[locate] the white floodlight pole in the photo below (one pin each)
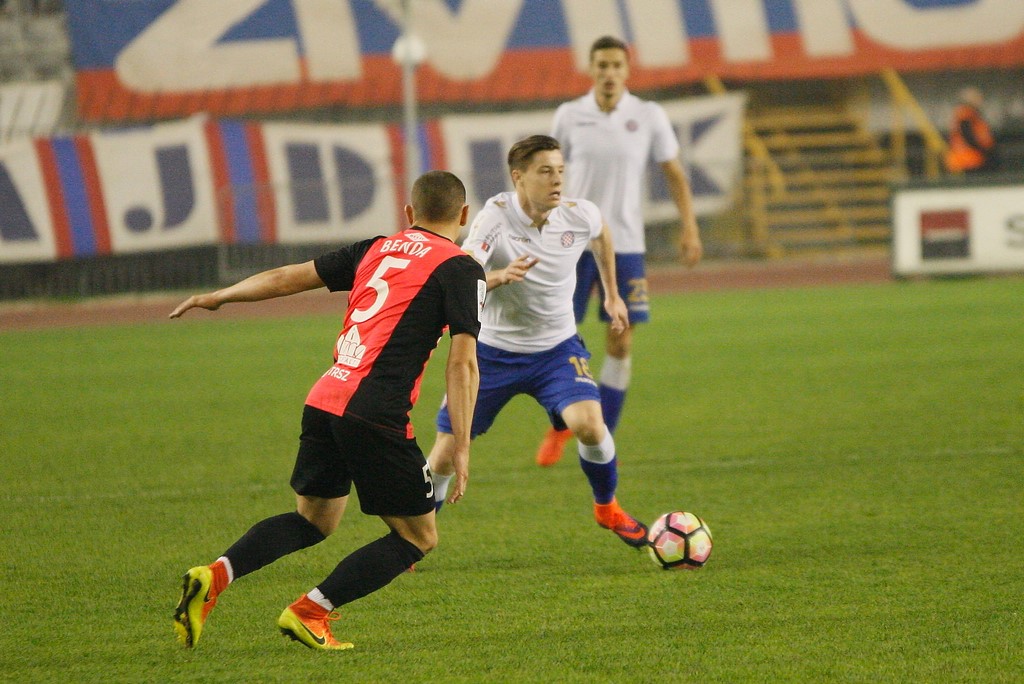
(411, 55)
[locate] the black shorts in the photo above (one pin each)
(389, 471)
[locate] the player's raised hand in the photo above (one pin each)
(516, 270)
(202, 301)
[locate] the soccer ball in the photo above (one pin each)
(679, 540)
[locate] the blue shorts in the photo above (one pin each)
(556, 378)
(631, 276)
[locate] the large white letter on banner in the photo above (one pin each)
(971, 22)
(824, 28)
(742, 30)
(330, 39)
(157, 187)
(465, 44)
(26, 233)
(179, 51)
(332, 183)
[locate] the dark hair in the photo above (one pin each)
(608, 43)
(438, 196)
(520, 155)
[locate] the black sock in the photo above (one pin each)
(369, 568)
(270, 539)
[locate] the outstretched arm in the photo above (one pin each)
(277, 282)
(604, 256)
(690, 248)
(462, 376)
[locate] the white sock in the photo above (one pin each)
(317, 597)
(227, 566)
(616, 373)
(441, 483)
(602, 452)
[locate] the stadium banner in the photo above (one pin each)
(148, 59)
(709, 129)
(947, 229)
(201, 181)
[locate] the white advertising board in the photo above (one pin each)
(962, 229)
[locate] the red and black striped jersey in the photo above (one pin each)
(406, 289)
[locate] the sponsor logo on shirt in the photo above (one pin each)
(350, 348)
(417, 237)
(519, 238)
(568, 238)
(481, 295)
(490, 238)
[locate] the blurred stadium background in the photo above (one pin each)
(173, 143)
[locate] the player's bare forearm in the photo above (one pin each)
(462, 376)
(691, 250)
(277, 282)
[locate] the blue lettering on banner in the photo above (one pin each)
(356, 183)
(309, 196)
(15, 224)
(488, 161)
(176, 191)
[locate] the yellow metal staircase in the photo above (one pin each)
(836, 179)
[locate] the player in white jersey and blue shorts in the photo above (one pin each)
(529, 241)
(607, 138)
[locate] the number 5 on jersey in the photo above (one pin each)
(380, 284)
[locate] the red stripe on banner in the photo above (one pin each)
(93, 190)
(265, 200)
(396, 141)
(435, 142)
(221, 183)
(536, 74)
(55, 200)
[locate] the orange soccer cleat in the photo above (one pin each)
(550, 450)
(630, 530)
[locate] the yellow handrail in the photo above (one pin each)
(935, 144)
(758, 150)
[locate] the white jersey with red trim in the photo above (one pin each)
(535, 314)
(606, 155)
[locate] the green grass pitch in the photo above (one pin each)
(858, 453)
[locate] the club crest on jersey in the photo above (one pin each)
(568, 238)
(350, 348)
(632, 126)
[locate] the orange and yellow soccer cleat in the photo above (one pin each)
(307, 622)
(630, 530)
(197, 600)
(550, 450)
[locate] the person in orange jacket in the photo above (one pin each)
(971, 144)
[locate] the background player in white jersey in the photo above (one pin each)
(607, 137)
(529, 242)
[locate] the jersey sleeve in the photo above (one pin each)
(483, 235)
(593, 217)
(338, 268)
(560, 129)
(664, 143)
(464, 285)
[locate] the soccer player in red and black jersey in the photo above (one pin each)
(405, 290)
